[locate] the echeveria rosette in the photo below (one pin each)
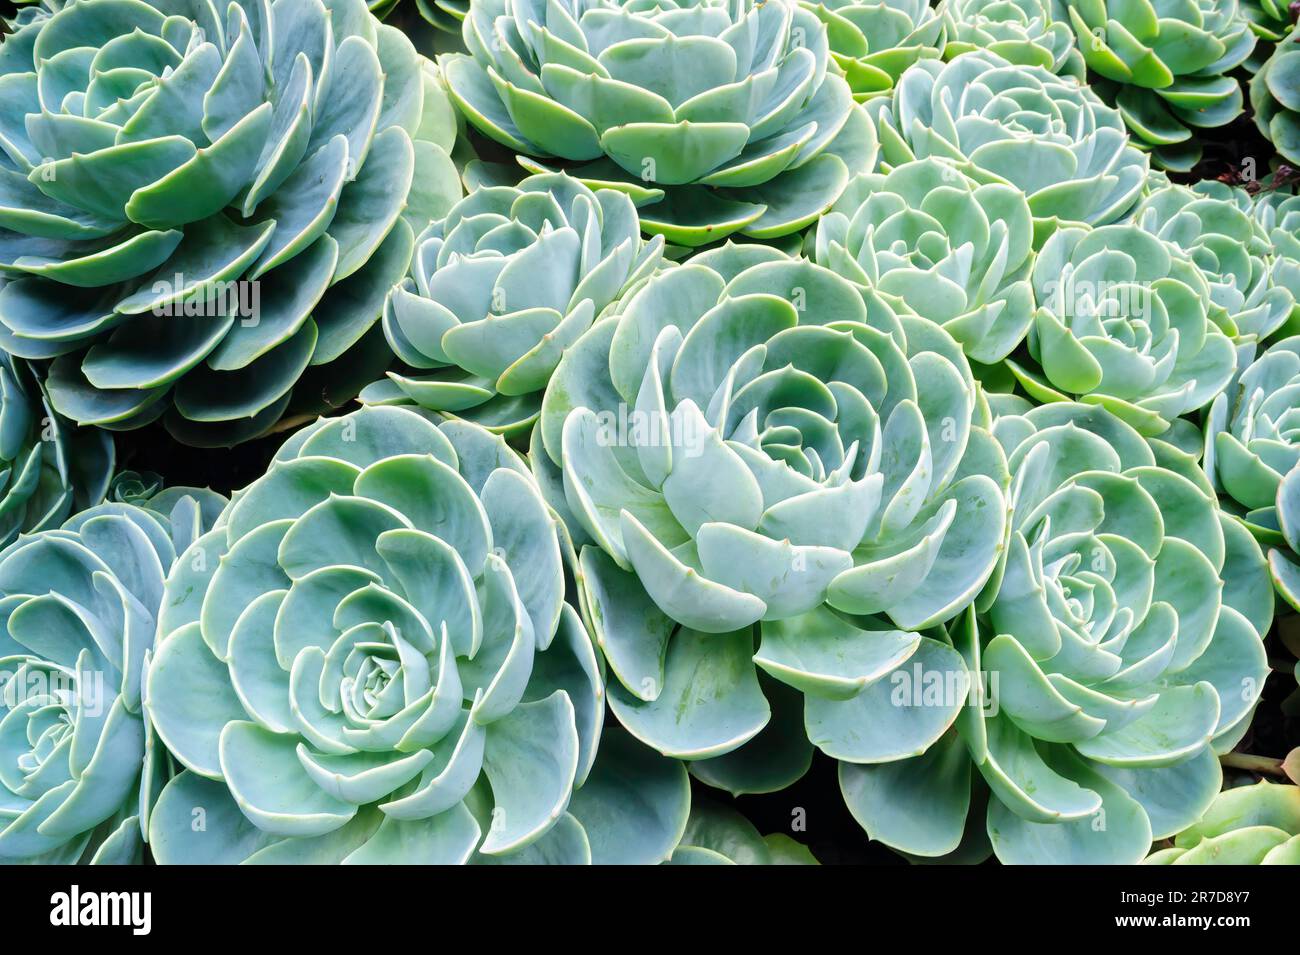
(1275, 97)
(1019, 31)
(1044, 134)
(1252, 454)
(1125, 320)
(781, 481)
(1215, 225)
(1278, 212)
(1118, 649)
(873, 41)
(500, 287)
(134, 487)
(79, 765)
(1257, 824)
(200, 208)
(388, 670)
(1164, 63)
(952, 250)
(49, 469)
(716, 118)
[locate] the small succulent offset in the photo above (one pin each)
(874, 41)
(1166, 62)
(951, 250)
(1116, 650)
(759, 449)
(1248, 825)
(49, 469)
(1051, 138)
(199, 207)
(1215, 225)
(79, 766)
(134, 487)
(1019, 31)
(1275, 97)
(500, 287)
(387, 670)
(715, 117)
(1125, 320)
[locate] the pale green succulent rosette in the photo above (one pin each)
(134, 487)
(387, 668)
(201, 205)
(1275, 97)
(951, 250)
(873, 41)
(715, 117)
(1278, 213)
(1251, 437)
(1044, 134)
(782, 481)
(49, 469)
(1215, 225)
(1125, 320)
(79, 766)
(1028, 32)
(500, 288)
(1167, 63)
(1118, 649)
(1249, 825)
(1252, 450)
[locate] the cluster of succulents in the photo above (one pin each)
(647, 400)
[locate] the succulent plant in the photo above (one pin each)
(1278, 212)
(195, 212)
(1275, 97)
(1270, 19)
(1115, 651)
(1019, 31)
(715, 118)
(1215, 225)
(952, 250)
(1251, 437)
(49, 469)
(446, 15)
(79, 766)
(1166, 62)
(758, 449)
(1248, 825)
(500, 287)
(389, 672)
(134, 487)
(1125, 320)
(1045, 134)
(718, 835)
(874, 41)
(1252, 449)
